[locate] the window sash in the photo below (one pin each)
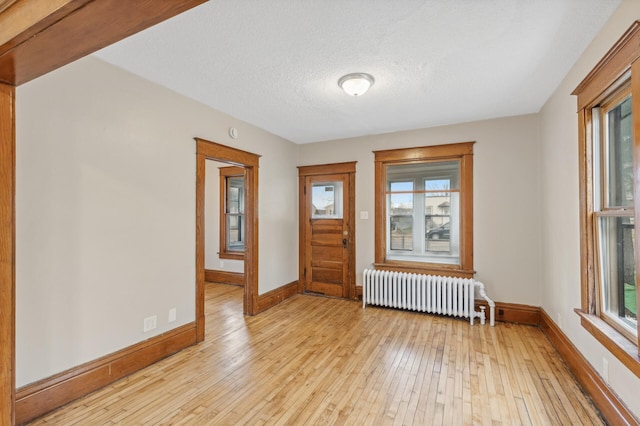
(612, 181)
(607, 187)
(613, 255)
(232, 210)
(417, 235)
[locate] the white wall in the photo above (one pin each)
(212, 222)
(560, 208)
(506, 197)
(105, 206)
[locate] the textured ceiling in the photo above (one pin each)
(275, 64)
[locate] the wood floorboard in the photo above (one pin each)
(314, 360)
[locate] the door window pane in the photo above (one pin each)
(326, 200)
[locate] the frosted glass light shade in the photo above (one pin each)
(356, 84)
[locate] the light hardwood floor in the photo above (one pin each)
(313, 360)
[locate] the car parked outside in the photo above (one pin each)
(442, 232)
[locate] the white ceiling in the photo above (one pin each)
(276, 63)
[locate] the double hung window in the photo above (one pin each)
(424, 212)
(232, 239)
(608, 156)
(613, 205)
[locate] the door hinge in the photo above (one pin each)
(305, 189)
(305, 272)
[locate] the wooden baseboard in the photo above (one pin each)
(223, 277)
(38, 398)
(613, 410)
(273, 297)
(513, 312)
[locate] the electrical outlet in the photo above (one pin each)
(172, 314)
(605, 369)
(221, 264)
(150, 323)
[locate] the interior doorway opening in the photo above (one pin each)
(249, 162)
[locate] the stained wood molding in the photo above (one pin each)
(208, 150)
(613, 410)
(462, 152)
(614, 64)
(38, 398)
(276, 296)
(40, 36)
(610, 338)
(513, 312)
(224, 277)
(325, 169)
(4, 4)
(7, 253)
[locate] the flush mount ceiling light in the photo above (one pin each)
(356, 84)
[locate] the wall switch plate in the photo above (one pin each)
(221, 264)
(150, 323)
(172, 314)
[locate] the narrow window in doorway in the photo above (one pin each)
(232, 241)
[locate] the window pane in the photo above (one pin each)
(401, 233)
(235, 232)
(618, 290)
(235, 194)
(619, 155)
(401, 204)
(438, 222)
(326, 200)
(439, 174)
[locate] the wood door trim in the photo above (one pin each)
(208, 150)
(327, 169)
(348, 168)
(41, 40)
(7, 253)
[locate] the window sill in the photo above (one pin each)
(231, 255)
(424, 268)
(611, 339)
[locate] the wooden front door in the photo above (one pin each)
(327, 252)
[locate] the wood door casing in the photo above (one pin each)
(327, 244)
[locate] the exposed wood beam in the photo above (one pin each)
(39, 36)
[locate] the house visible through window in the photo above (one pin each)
(232, 213)
(424, 217)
